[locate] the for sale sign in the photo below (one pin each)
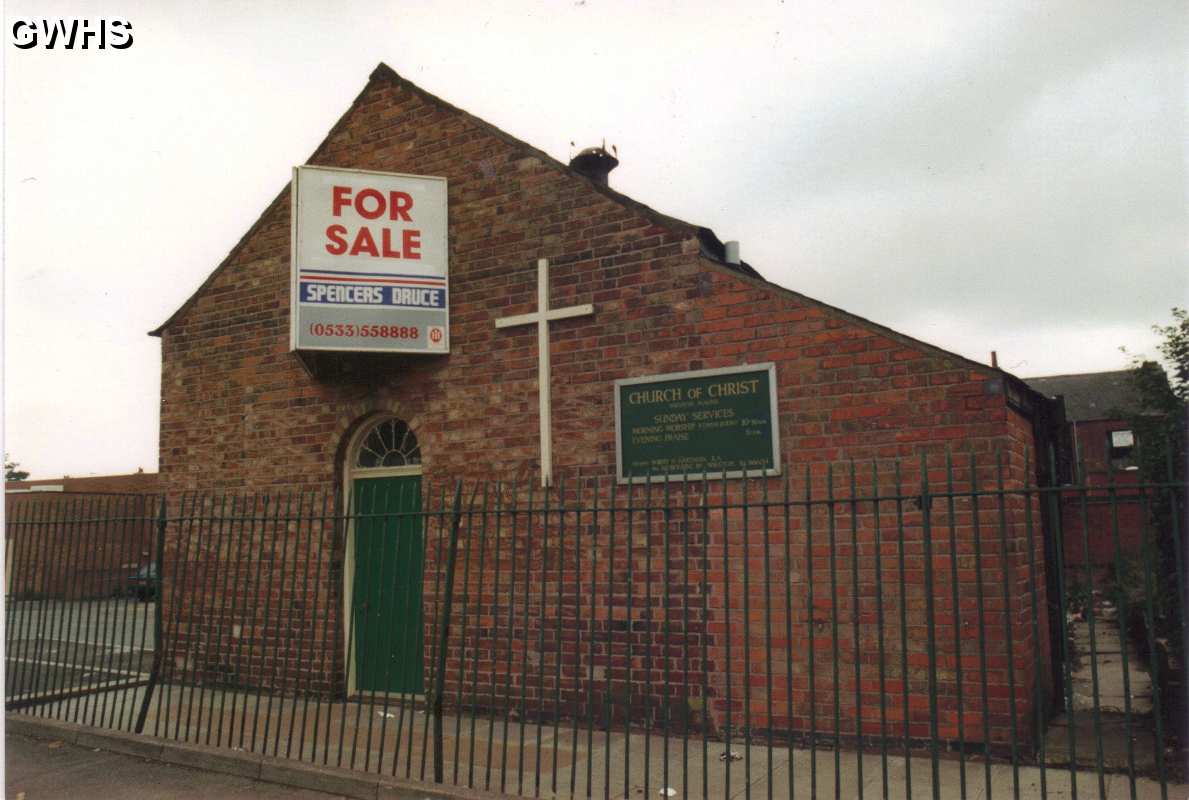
(369, 257)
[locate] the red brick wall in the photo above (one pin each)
(239, 412)
(1090, 527)
(1091, 523)
(71, 545)
(1026, 539)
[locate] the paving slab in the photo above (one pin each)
(1117, 731)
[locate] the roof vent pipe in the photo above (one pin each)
(732, 252)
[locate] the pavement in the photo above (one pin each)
(41, 767)
(353, 747)
(45, 769)
(1112, 695)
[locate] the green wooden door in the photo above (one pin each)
(389, 559)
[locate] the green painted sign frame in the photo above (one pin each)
(711, 423)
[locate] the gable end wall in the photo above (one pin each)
(240, 413)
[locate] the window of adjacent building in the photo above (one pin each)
(1121, 447)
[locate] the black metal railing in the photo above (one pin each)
(79, 635)
(947, 629)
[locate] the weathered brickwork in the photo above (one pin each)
(240, 413)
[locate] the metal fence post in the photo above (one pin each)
(158, 643)
(444, 637)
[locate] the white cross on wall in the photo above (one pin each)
(542, 317)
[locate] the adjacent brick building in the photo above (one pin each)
(56, 544)
(239, 412)
(1104, 527)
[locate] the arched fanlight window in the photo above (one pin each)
(390, 443)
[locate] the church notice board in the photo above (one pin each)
(369, 262)
(708, 423)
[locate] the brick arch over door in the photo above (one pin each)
(359, 417)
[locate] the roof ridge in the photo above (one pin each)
(1080, 374)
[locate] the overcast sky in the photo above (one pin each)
(1004, 176)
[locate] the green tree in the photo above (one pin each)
(12, 470)
(1174, 346)
(1161, 425)
(1160, 422)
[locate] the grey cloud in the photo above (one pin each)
(1036, 175)
(955, 112)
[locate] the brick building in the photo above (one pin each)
(240, 412)
(92, 559)
(1100, 443)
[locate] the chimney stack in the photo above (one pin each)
(595, 163)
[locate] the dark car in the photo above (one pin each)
(142, 584)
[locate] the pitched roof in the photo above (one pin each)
(710, 245)
(1092, 395)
